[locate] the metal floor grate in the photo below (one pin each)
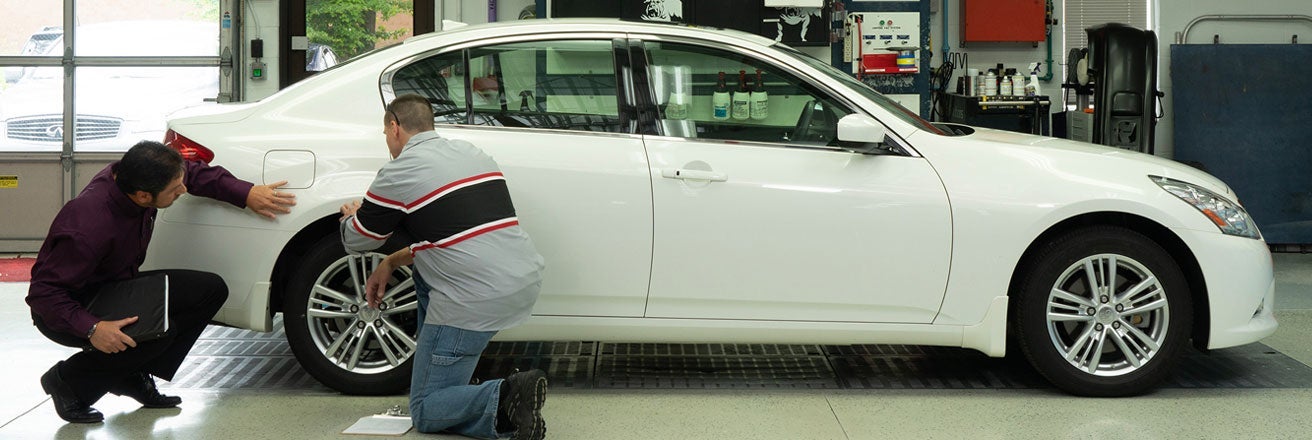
(227, 358)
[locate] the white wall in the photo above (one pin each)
(1174, 15)
(984, 56)
(475, 11)
(260, 19)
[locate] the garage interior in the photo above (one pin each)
(1213, 84)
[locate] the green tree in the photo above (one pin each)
(349, 26)
(201, 10)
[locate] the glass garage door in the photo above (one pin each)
(83, 82)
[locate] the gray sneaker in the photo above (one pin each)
(522, 397)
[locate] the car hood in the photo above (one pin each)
(1103, 156)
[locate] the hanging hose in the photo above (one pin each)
(1048, 23)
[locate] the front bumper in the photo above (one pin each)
(1241, 287)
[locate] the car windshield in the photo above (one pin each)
(864, 89)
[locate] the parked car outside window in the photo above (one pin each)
(116, 106)
(42, 42)
(319, 57)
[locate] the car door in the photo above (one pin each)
(552, 114)
(762, 218)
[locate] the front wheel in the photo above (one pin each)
(1103, 311)
(336, 337)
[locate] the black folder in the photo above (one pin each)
(146, 297)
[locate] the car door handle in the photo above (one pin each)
(710, 176)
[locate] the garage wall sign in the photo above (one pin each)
(9, 181)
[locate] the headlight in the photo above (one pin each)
(1227, 215)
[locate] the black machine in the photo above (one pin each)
(1119, 73)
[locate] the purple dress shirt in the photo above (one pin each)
(102, 236)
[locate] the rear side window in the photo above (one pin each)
(558, 85)
(441, 79)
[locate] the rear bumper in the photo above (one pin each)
(244, 257)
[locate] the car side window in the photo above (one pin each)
(441, 79)
(755, 101)
(561, 84)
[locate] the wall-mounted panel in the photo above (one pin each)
(1002, 21)
(1246, 122)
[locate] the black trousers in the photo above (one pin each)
(194, 298)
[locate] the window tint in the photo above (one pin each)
(563, 85)
(566, 85)
(441, 79)
(897, 110)
(754, 101)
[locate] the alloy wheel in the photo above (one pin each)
(350, 333)
(1108, 315)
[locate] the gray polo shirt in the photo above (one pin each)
(469, 247)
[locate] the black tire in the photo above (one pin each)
(1127, 364)
(311, 337)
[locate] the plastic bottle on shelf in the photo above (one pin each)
(742, 99)
(1017, 83)
(1032, 89)
(760, 99)
(720, 101)
(677, 108)
(991, 83)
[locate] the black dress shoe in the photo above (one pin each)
(67, 405)
(141, 386)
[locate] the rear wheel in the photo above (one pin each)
(1103, 311)
(337, 338)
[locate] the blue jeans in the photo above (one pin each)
(441, 398)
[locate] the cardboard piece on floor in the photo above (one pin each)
(379, 424)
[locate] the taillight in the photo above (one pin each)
(189, 149)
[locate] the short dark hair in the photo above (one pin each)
(148, 166)
(412, 111)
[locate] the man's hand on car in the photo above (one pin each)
(267, 201)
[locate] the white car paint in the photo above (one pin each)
(796, 234)
(794, 245)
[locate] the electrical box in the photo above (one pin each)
(1003, 21)
(884, 42)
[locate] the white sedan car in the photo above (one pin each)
(823, 213)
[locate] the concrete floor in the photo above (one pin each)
(25, 411)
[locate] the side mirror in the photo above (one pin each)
(861, 133)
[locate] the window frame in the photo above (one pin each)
(1100, 14)
(617, 47)
(649, 109)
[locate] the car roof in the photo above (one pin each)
(597, 25)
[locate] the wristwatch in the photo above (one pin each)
(92, 331)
